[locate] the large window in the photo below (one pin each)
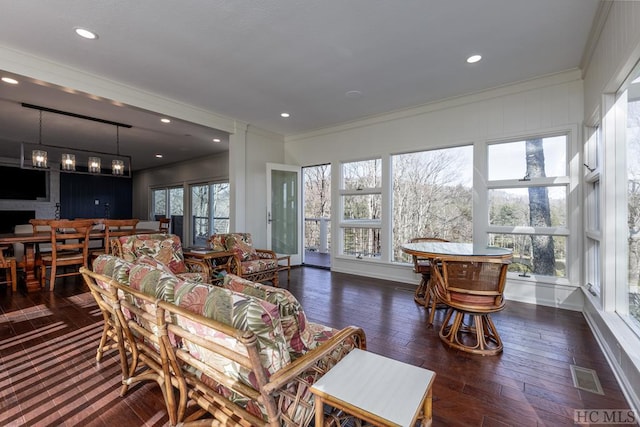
(361, 202)
(631, 308)
(527, 187)
(593, 234)
(209, 211)
(168, 203)
(432, 196)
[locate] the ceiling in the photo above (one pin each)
(325, 62)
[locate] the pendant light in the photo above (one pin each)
(117, 165)
(39, 156)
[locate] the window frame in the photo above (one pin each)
(373, 224)
(592, 219)
(482, 185)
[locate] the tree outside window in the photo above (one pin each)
(528, 187)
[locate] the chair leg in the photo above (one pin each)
(103, 339)
(421, 291)
(431, 300)
(480, 337)
(491, 335)
(14, 278)
(52, 277)
(43, 275)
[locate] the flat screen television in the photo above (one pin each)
(22, 184)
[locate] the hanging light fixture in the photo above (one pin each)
(117, 165)
(120, 163)
(68, 162)
(39, 156)
(94, 164)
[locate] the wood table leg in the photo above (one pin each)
(29, 262)
(427, 409)
(319, 411)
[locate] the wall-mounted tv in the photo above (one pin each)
(22, 184)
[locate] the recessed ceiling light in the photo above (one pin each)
(353, 94)
(165, 120)
(87, 34)
(159, 156)
(473, 59)
(216, 139)
(285, 115)
(10, 80)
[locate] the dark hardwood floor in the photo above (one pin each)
(49, 377)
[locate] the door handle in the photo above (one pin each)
(268, 217)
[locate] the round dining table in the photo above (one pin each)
(454, 249)
(451, 251)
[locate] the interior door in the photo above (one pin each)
(284, 227)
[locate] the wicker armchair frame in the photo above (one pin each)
(143, 337)
(234, 265)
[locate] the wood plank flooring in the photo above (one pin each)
(49, 377)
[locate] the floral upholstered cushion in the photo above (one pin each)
(238, 243)
(254, 266)
(243, 312)
(147, 260)
(166, 248)
(112, 266)
(299, 334)
(153, 282)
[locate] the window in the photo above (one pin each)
(631, 310)
(593, 235)
(361, 203)
(527, 202)
(169, 203)
(209, 211)
(432, 196)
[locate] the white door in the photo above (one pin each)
(284, 228)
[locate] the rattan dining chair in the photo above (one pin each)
(471, 287)
(424, 294)
(8, 263)
(69, 247)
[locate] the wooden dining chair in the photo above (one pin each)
(114, 228)
(69, 247)
(164, 225)
(471, 287)
(8, 263)
(41, 226)
(424, 294)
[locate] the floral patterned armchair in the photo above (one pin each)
(257, 265)
(161, 250)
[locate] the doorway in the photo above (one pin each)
(317, 215)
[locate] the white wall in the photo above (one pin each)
(616, 52)
(551, 103)
(262, 148)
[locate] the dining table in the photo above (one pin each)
(453, 251)
(438, 249)
(30, 240)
